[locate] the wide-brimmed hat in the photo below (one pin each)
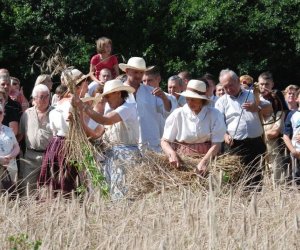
(195, 89)
(75, 75)
(114, 86)
(136, 63)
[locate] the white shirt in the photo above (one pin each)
(92, 86)
(184, 126)
(7, 142)
(127, 131)
(58, 118)
(149, 109)
(240, 124)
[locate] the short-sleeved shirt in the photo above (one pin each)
(126, 131)
(58, 118)
(150, 111)
(241, 124)
(184, 126)
(37, 134)
(7, 142)
(292, 127)
(13, 112)
(106, 64)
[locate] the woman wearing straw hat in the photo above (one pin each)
(194, 128)
(121, 133)
(55, 171)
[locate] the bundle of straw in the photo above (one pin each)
(155, 173)
(77, 149)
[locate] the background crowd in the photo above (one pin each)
(123, 106)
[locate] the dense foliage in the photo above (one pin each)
(198, 35)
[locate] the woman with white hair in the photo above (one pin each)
(194, 129)
(35, 129)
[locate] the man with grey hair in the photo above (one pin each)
(175, 85)
(35, 129)
(244, 129)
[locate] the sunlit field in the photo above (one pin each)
(167, 215)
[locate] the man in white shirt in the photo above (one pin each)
(244, 129)
(151, 103)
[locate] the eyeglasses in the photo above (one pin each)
(42, 97)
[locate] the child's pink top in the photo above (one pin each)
(108, 64)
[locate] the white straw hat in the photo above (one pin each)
(114, 86)
(137, 63)
(109, 87)
(195, 89)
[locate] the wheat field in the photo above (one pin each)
(164, 209)
(179, 218)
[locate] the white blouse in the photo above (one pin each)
(126, 131)
(7, 142)
(58, 118)
(184, 126)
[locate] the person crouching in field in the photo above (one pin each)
(194, 129)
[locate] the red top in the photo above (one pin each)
(107, 63)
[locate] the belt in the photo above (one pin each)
(250, 139)
(37, 150)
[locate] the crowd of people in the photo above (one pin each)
(131, 113)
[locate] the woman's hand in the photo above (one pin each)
(297, 137)
(4, 160)
(76, 102)
(202, 167)
(173, 159)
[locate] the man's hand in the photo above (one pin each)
(250, 106)
(158, 92)
(228, 139)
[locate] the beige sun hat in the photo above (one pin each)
(114, 86)
(76, 75)
(137, 63)
(109, 87)
(195, 89)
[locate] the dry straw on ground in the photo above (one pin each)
(155, 173)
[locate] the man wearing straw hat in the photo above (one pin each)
(151, 103)
(244, 129)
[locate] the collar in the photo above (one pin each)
(200, 116)
(242, 91)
